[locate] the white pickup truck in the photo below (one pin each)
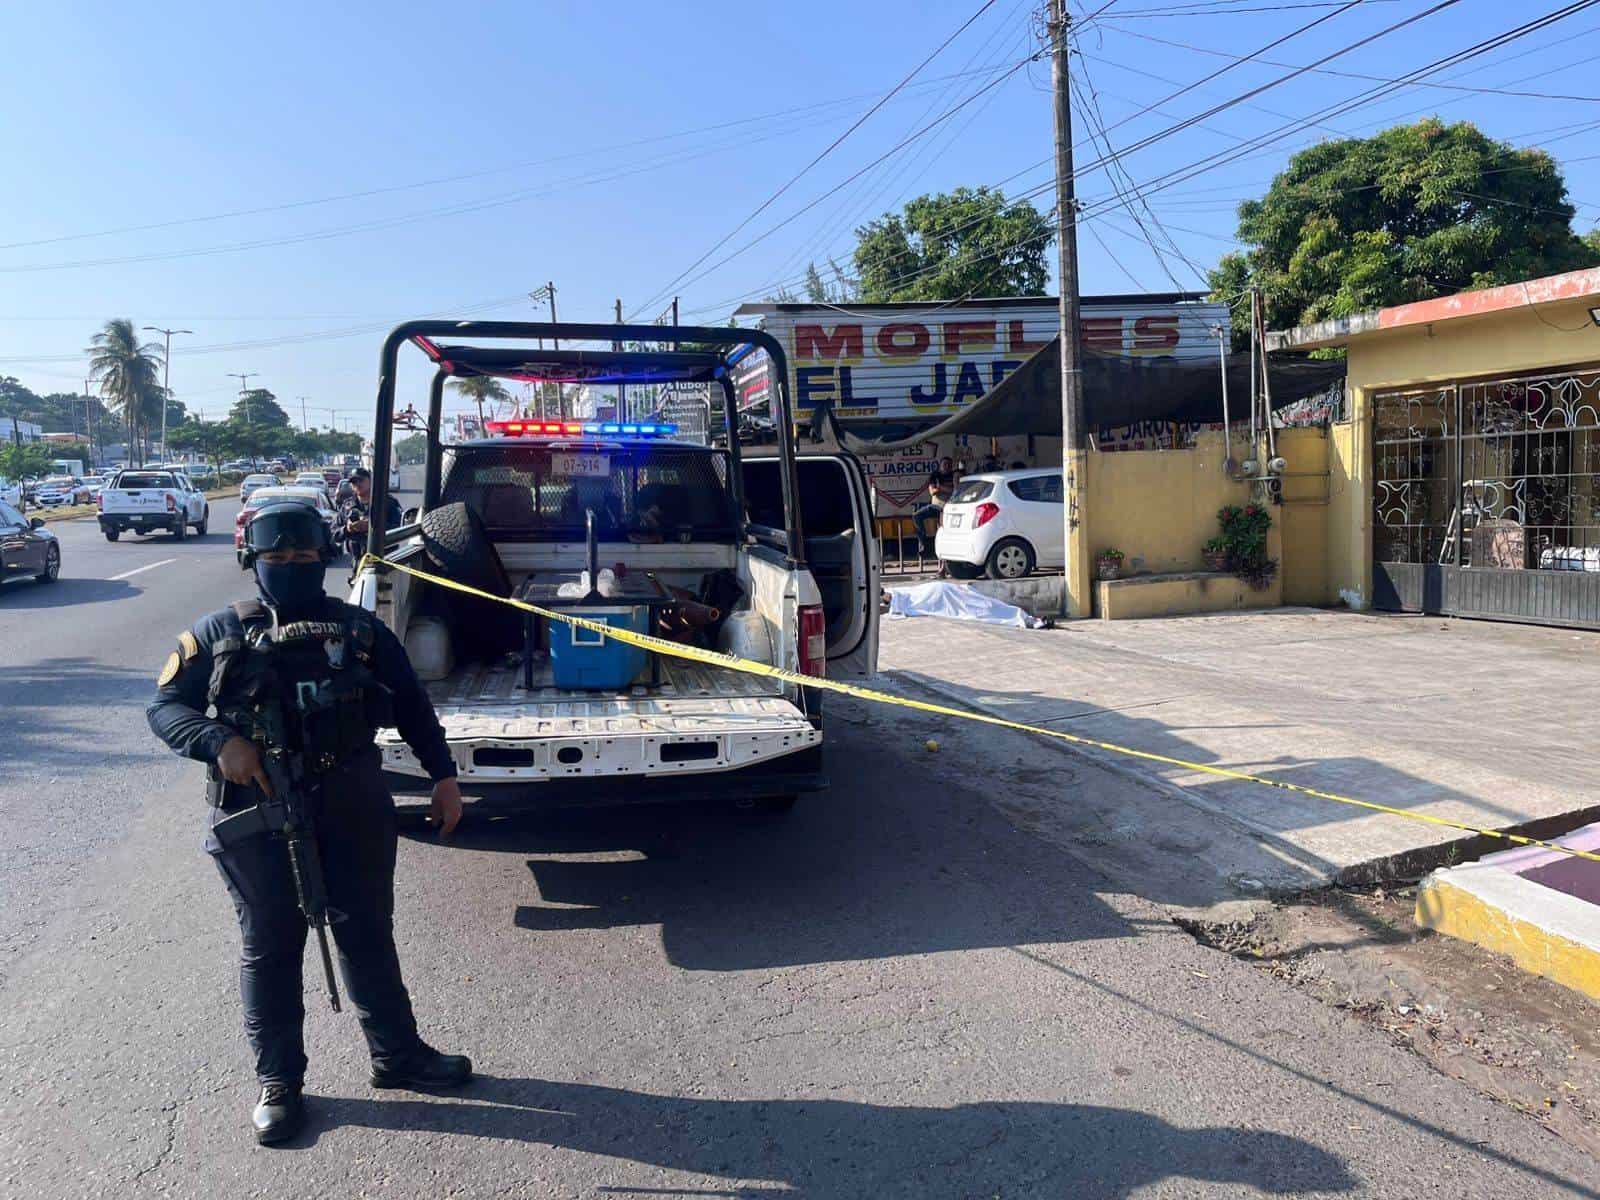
(698, 543)
(145, 501)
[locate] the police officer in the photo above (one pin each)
(355, 512)
(291, 646)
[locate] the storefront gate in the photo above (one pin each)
(1486, 499)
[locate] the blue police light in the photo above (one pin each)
(610, 428)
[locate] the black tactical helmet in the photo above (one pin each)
(285, 525)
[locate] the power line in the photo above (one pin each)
(1452, 87)
(827, 150)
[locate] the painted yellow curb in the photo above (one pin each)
(1461, 914)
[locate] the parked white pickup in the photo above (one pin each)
(146, 501)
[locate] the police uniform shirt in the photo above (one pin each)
(178, 715)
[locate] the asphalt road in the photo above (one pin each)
(894, 991)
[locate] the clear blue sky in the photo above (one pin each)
(607, 147)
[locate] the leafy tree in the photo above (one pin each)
(969, 242)
(128, 373)
(259, 406)
(213, 439)
(1414, 212)
(413, 449)
(820, 290)
(23, 460)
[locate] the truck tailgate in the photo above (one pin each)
(696, 719)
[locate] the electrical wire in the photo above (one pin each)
(827, 150)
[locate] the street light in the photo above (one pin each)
(166, 380)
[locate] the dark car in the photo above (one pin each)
(27, 548)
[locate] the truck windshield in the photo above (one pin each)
(131, 479)
(645, 493)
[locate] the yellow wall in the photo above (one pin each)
(1160, 506)
(1303, 515)
(1509, 343)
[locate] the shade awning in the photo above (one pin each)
(1117, 390)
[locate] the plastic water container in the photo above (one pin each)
(590, 661)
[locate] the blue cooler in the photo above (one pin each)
(590, 661)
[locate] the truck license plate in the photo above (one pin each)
(573, 466)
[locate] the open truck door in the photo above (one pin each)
(840, 549)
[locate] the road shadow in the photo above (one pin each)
(43, 708)
(901, 857)
(831, 1148)
(65, 592)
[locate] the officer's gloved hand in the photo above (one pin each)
(240, 763)
(445, 807)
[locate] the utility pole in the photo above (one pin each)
(166, 380)
(305, 424)
(622, 388)
(88, 417)
(1077, 600)
(244, 394)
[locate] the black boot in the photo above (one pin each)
(423, 1071)
(279, 1113)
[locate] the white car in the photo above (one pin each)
(1003, 524)
(311, 479)
(61, 489)
(11, 492)
(251, 483)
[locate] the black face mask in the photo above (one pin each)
(291, 588)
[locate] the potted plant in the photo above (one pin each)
(1108, 563)
(1215, 552)
(1244, 538)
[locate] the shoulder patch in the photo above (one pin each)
(188, 645)
(170, 671)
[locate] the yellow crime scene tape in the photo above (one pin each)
(732, 662)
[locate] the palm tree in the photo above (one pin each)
(481, 389)
(129, 375)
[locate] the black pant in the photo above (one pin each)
(920, 516)
(356, 838)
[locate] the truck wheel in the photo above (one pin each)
(204, 523)
(112, 534)
(180, 531)
(459, 546)
(1011, 558)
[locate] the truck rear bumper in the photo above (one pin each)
(764, 780)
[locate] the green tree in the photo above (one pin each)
(259, 406)
(825, 290)
(413, 449)
(128, 373)
(23, 460)
(212, 439)
(1414, 212)
(969, 242)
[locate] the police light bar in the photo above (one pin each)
(579, 429)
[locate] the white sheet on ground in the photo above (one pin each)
(938, 599)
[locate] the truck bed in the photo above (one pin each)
(697, 718)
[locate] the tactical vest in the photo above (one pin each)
(320, 671)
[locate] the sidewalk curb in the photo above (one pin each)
(1543, 931)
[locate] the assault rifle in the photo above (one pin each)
(286, 814)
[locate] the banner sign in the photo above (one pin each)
(905, 362)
